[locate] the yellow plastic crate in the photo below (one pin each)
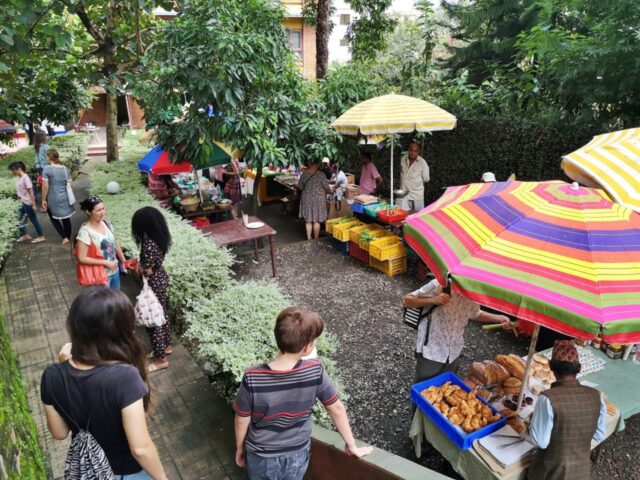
(355, 232)
(376, 233)
(341, 231)
(391, 267)
(329, 224)
(386, 248)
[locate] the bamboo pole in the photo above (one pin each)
(527, 370)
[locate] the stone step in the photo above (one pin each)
(98, 150)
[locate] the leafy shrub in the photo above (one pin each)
(234, 330)
(8, 226)
(20, 451)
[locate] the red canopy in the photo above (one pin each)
(164, 166)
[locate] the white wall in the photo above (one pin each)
(339, 53)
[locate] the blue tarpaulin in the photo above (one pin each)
(149, 160)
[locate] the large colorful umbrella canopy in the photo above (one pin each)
(391, 114)
(611, 161)
(158, 162)
(562, 256)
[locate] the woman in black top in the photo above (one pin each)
(150, 231)
(103, 384)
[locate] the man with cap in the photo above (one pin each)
(326, 168)
(566, 418)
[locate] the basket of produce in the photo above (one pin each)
(372, 210)
(341, 230)
(457, 410)
(190, 204)
(391, 215)
(224, 204)
(329, 224)
(386, 248)
(367, 236)
(391, 267)
(355, 232)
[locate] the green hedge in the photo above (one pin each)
(20, 453)
(461, 156)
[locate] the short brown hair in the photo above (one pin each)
(295, 328)
(53, 153)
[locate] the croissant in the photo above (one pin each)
(456, 419)
(452, 400)
(443, 407)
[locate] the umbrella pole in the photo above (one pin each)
(392, 205)
(527, 370)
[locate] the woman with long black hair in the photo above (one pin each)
(102, 387)
(150, 232)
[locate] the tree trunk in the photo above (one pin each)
(112, 127)
(322, 38)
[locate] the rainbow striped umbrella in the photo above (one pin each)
(558, 255)
(611, 161)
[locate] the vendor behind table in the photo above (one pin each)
(414, 174)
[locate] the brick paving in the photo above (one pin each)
(190, 424)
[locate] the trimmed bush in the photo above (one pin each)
(20, 453)
(8, 226)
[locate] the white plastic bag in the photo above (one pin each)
(149, 311)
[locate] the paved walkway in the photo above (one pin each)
(191, 426)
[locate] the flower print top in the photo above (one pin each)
(106, 243)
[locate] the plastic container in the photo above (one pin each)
(461, 439)
(329, 224)
(356, 252)
(386, 248)
(374, 233)
(341, 230)
(355, 232)
(341, 246)
(357, 207)
(385, 217)
(391, 268)
(372, 210)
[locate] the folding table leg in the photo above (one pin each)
(273, 255)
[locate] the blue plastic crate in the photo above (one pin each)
(342, 246)
(462, 440)
(357, 207)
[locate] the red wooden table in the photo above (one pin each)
(233, 231)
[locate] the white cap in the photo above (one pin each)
(488, 177)
(326, 160)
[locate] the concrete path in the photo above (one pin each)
(191, 425)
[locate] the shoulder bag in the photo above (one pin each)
(412, 316)
(70, 194)
(149, 311)
(91, 274)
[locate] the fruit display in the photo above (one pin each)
(461, 408)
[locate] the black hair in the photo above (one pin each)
(366, 155)
(564, 369)
(149, 223)
(101, 325)
(88, 204)
(17, 165)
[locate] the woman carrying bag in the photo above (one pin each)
(96, 235)
(150, 232)
(100, 391)
(57, 198)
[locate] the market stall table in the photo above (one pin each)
(233, 231)
(92, 132)
(614, 380)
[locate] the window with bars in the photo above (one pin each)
(295, 42)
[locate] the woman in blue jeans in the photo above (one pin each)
(99, 231)
(100, 385)
(24, 189)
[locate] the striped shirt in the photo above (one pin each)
(279, 403)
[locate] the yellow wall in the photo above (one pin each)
(308, 39)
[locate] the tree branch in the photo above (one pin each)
(86, 21)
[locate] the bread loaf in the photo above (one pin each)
(511, 386)
(487, 372)
(514, 365)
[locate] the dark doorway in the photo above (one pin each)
(123, 113)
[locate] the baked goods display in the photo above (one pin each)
(461, 408)
(487, 373)
(511, 386)
(366, 199)
(513, 363)
(540, 369)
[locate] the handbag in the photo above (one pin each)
(70, 194)
(91, 274)
(412, 316)
(148, 309)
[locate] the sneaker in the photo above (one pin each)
(38, 240)
(24, 238)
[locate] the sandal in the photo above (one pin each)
(168, 350)
(155, 366)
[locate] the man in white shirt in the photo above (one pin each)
(441, 335)
(414, 174)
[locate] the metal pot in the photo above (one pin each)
(400, 193)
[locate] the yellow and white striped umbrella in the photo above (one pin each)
(611, 161)
(393, 114)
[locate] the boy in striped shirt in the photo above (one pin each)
(273, 405)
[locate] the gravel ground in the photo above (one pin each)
(361, 306)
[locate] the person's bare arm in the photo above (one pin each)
(45, 192)
(338, 414)
(412, 301)
(119, 253)
(55, 423)
(140, 443)
(83, 248)
(241, 426)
